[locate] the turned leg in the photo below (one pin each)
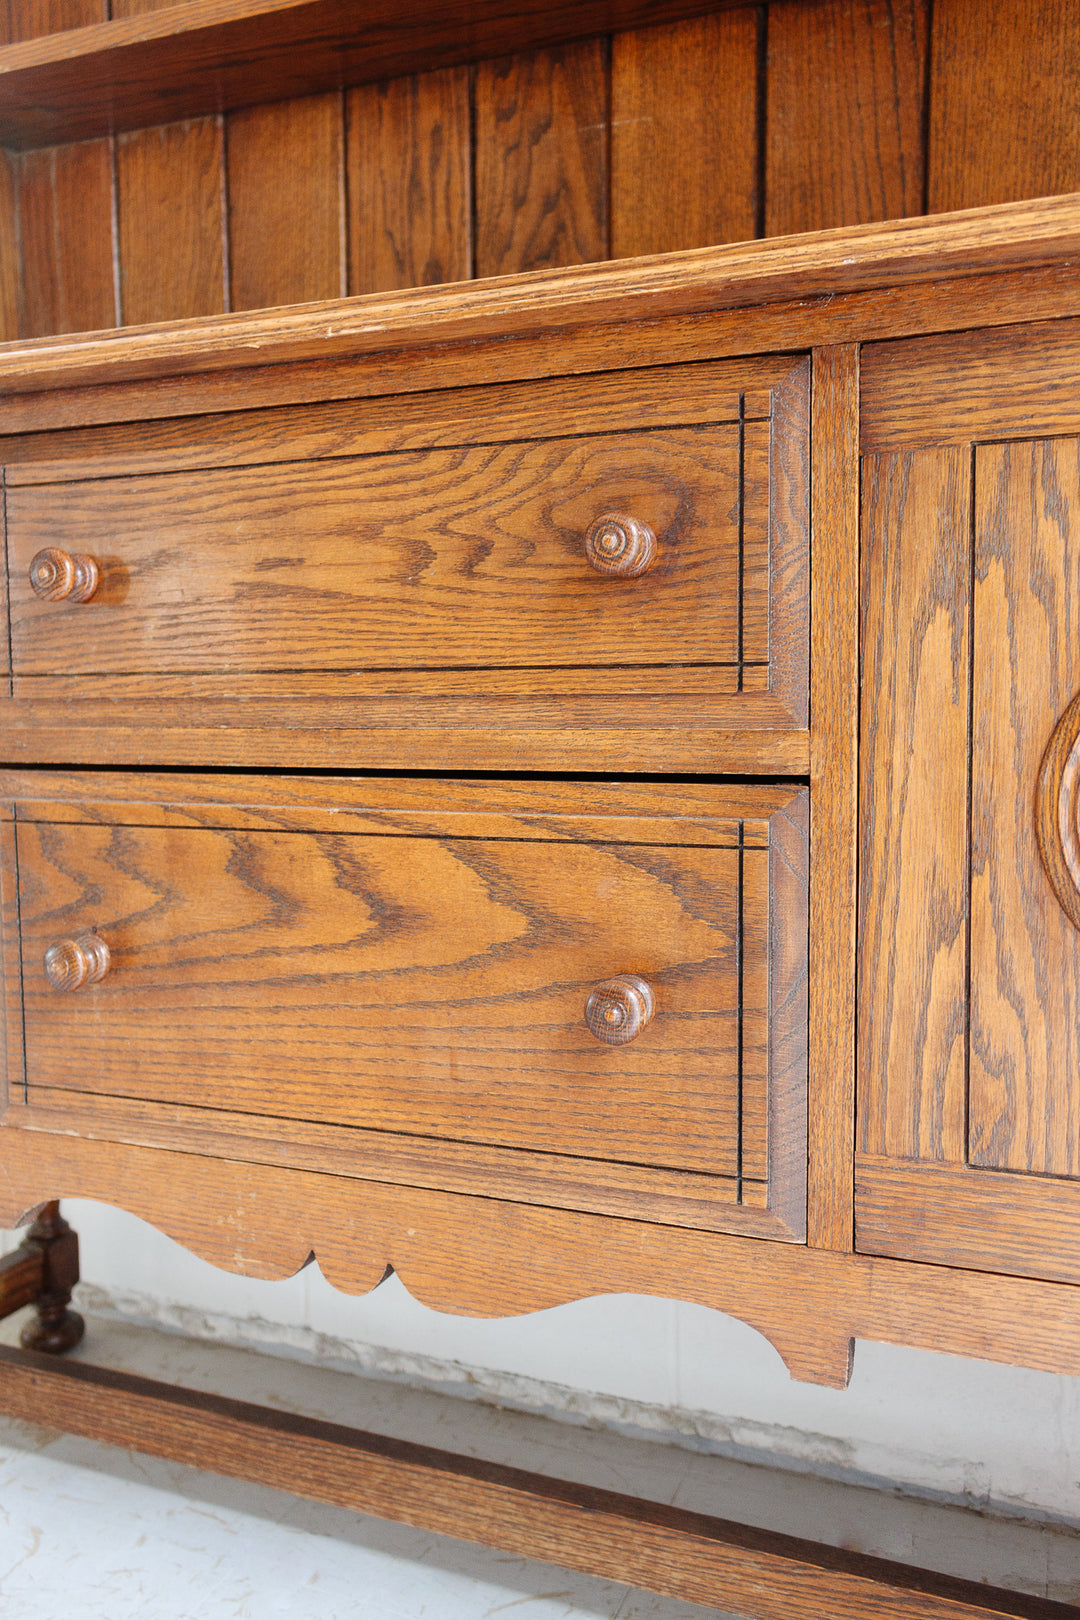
(43, 1271)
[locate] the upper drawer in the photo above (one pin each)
(454, 540)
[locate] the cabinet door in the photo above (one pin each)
(970, 909)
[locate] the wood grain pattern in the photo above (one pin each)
(767, 824)
(171, 236)
(923, 256)
(192, 922)
(31, 19)
(684, 1555)
(409, 178)
(913, 776)
(833, 778)
(691, 814)
(212, 55)
(9, 245)
(286, 169)
(65, 222)
(1024, 1094)
(5, 651)
(684, 134)
(708, 1203)
(1006, 102)
(12, 1050)
(541, 125)
(482, 1256)
(21, 1274)
(940, 305)
(990, 1221)
(456, 734)
(846, 82)
(958, 387)
(470, 558)
(657, 396)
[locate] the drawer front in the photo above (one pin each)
(446, 558)
(432, 978)
(478, 555)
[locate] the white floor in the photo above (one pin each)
(115, 1536)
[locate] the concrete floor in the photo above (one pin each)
(115, 1536)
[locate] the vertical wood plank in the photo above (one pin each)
(834, 661)
(541, 160)
(172, 251)
(684, 134)
(846, 86)
(9, 247)
(30, 19)
(65, 213)
(286, 203)
(913, 803)
(1004, 102)
(1024, 1086)
(5, 622)
(408, 167)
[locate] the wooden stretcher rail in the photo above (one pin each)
(760, 1574)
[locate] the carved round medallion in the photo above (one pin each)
(1057, 811)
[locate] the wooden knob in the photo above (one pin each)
(63, 576)
(618, 1009)
(621, 547)
(71, 963)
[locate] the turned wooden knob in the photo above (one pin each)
(71, 963)
(621, 547)
(618, 1009)
(63, 576)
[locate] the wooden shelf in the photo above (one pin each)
(208, 56)
(792, 270)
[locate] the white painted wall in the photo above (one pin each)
(962, 1431)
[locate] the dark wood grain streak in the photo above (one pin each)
(1005, 102)
(684, 134)
(769, 1576)
(541, 160)
(409, 177)
(846, 82)
(913, 784)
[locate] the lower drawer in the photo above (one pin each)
(425, 961)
